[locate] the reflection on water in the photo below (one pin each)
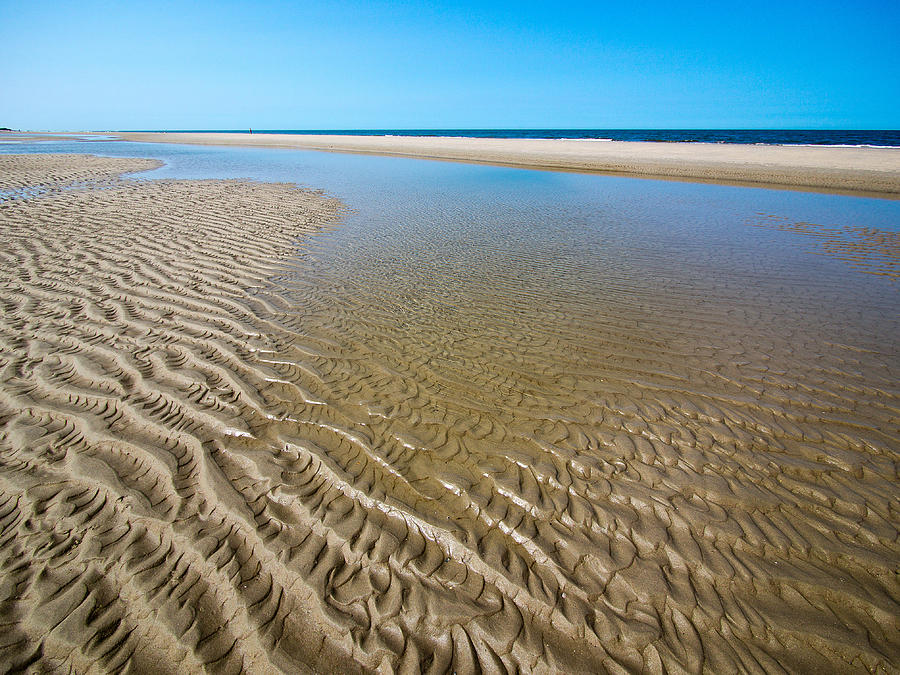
(604, 409)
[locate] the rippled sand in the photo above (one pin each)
(26, 175)
(207, 462)
(869, 250)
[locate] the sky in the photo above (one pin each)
(95, 65)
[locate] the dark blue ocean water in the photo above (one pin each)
(889, 137)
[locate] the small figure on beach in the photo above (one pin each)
(251, 131)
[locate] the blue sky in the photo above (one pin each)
(328, 65)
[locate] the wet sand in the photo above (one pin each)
(57, 172)
(205, 462)
(866, 171)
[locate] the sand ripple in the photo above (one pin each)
(38, 173)
(869, 250)
(205, 462)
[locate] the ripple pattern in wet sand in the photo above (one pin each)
(869, 250)
(206, 462)
(41, 173)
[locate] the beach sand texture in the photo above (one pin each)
(194, 474)
(44, 172)
(872, 171)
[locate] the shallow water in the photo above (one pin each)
(661, 417)
(487, 220)
(564, 248)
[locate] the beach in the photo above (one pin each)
(444, 418)
(125, 339)
(864, 171)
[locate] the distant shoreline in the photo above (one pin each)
(860, 138)
(873, 172)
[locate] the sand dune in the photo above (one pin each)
(206, 463)
(872, 171)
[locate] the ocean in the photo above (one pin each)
(848, 137)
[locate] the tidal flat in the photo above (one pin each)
(268, 410)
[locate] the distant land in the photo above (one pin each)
(849, 137)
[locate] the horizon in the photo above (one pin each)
(375, 129)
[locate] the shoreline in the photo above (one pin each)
(870, 172)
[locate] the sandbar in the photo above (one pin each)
(863, 171)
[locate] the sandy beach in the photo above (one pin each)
(125, 344)
(864, 171)
(211, 461)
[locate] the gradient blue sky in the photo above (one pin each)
(329, 65)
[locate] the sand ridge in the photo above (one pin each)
(57, 172)
(207, 462)
(870, 171)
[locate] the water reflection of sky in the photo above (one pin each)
(418, 224)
